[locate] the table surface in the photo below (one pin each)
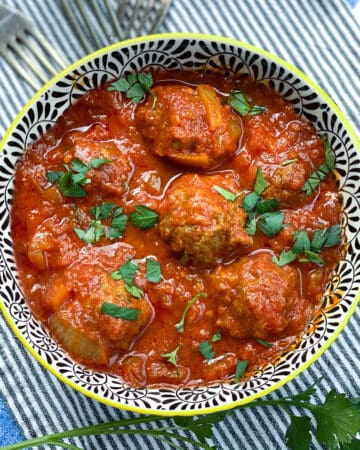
(321, 38)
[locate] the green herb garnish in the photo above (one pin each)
(262, 342)
(127, 273)
(216, 336)
(301, 242)
(287, 162)
(271, 223)
(180, 326)
(97, 229)
(286, 257)
(153, 270)
(228, 195)
(119, 312)
(319, 174)
(250, 201)
(206, 350)
(241, 104)
(172, 357)
(144, 217)
(336, 424)
(70, 182)
(260, 184)
(265, 206)
(135, 86)
(240, 370)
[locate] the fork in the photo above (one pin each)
(26, 50)
(102, 23)
(32, 56)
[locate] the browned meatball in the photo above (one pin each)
(80, 326)
(258, 298)
(189, 125)
(199, 222)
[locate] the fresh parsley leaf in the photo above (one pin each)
(260, 184)
(180, 326)
(119, 222)
(206, 350)
(250, 226)
(153, 270)
(318, 240)
(262, 342)
(119, 312)
(71, 188)
(301, 242)
(270, 205)
(241, 104)
(240, 370)
(250, 201)
(54, 177)
(144, 217)
(92, 234)
(313, 257)
(133, 290)
(271, 223)
(172, 357)
(298, 434)
(287, 162)
(338, 420)
(102, 211)
(126, 272)
(319, 174)
(333, 236)
(216, 336)
(134, 86)
(228, 195)
(286, 257)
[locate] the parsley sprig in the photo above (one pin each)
(336, 421)
(180, 326)
(127, 273)
(172, 357)
(319, 174)
(242, 105)
(97, 229)
(135, 86)
(70, 182)
(144, 217)
(265, 213)
(309, 250)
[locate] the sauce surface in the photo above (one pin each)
(175, 152)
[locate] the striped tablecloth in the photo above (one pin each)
(321, 38)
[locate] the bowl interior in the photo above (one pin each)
(200, 53)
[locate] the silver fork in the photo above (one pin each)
(99, 23)
(26, 49)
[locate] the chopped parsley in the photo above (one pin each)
(144, 217)
(135, 86)
(127, 273)
(262, 342)
(216, 336)
(319, 174)
(242, 105)
(206, 350)
(180, 326)
(263, 212)
(172, 357)
(240, 370)
(228, 195)
(153, 270)
(97, 229)
(287, 162)
(119, 312)
(309, 249)
(70, 182)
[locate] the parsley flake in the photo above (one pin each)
(153, 270)
(271, 223)
(126, 272)
(144, 217)
(206, 350)
(228, 195)
(180, 326)
(260, 184)
(216, 336)
(262, 342)
(286, 257)
(119, 312)
(172, 357)
(135, 86)
(241, 104)
(240, 370)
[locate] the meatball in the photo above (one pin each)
(257, 298)
(189, 125)
(76, 296)
(197, 221)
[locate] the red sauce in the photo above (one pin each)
(169, 157)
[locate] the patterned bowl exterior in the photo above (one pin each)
(201, 53)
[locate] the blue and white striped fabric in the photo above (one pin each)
(321, 38)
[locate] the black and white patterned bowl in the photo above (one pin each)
(186, 52)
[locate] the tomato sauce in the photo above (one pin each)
(167, 153)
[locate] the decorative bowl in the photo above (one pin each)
(187, 52)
